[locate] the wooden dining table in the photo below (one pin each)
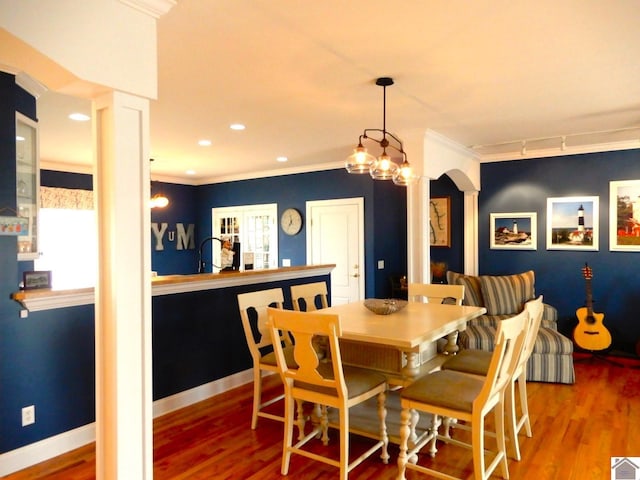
(400, 344)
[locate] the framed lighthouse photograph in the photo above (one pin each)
(624, 216)
(513, 231)
(572, 223)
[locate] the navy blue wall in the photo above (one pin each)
(182, 208)
(453, 256)
(523, 186)
(384, 204)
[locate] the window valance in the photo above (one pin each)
(66, 198)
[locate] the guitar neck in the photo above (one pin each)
(589, 296)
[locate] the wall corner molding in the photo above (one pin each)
(153, 8)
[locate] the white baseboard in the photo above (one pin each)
(42, 450)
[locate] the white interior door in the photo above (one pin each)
(335, 234)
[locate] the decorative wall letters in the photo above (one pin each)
(184, 239)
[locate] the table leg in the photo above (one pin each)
(451, 348)
(412, 368)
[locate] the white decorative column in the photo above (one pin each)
(124, 417)
(471, 233)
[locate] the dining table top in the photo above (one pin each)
(407, 328)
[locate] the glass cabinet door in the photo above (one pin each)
(27, 185)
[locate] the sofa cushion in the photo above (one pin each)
(472, 290)
(548, 341)
(507, 294)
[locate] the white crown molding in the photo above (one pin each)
(271, 173)
(153, 8)
(30, 84)
(432, 135)
(66, 167)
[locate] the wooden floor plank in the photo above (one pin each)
(576, 430)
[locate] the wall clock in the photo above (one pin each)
(291, 221)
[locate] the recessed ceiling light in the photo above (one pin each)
(237, 126)
(204, 143)
(79, 117)
(190, 172)
(282, 159)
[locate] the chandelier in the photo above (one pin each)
(382, 167)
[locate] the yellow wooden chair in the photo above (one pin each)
(476, 362)
(436, 293)
(447, 393)
(253, 311)
(439, 293)
(329, 384)
(305, 297)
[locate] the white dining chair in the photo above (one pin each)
(253, 312)
(476, 362)
(308, 297)
(328, 384)
(470, 398)
(439, 293)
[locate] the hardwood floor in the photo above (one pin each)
(576, 430)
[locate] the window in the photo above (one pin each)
(254, 227)
(67, 237)
(68, 243)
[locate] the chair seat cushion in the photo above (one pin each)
(445, 388)
(475, 362)
(358, 380)
(270, 358)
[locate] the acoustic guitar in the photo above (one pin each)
(590, 333)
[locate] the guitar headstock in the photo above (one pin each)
(587, 272)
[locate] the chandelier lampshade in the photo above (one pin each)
(360, 161)
(382, 167)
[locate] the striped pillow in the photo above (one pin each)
(472, 291)
(507, 294)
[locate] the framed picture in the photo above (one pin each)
(440, 221)
(572, 223)
(514, 231)
(37, 279)
(624, 215)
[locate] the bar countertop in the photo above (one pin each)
(46, 298)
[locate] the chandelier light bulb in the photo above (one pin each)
(360, 161)
(384, 168)
(404, 175)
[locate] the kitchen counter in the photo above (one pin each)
(46, 299)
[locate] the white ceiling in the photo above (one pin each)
(301, 76)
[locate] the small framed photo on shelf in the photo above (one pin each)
(572, 223)
(36, 279)
(440, 221)
(514, 231)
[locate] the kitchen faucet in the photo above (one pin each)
(201, 263)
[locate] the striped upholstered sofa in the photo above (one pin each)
(503, 296)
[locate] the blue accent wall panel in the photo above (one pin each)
(54, 178)
(390, 238)
(198, 337)
(182, 208)
(524, 186)
(453, 256)
(292, 191)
